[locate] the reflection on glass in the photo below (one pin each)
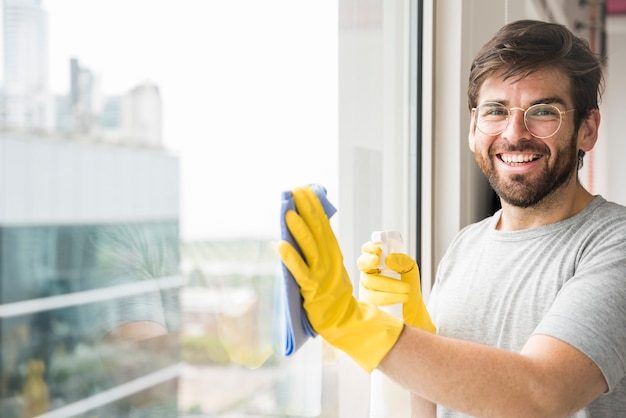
(227, 329)
(230, 338)
(104, 312)
(106, 309)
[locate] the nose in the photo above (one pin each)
(516, 128)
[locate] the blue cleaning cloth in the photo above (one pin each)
(298, 329)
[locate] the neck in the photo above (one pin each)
(559, 205)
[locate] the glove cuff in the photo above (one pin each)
(368, 338)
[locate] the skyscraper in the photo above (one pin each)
(26, 102)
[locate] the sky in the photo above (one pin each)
(249, 93)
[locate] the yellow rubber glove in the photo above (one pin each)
(384, 291)
(360, 329)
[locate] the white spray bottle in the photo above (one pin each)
(387, 398)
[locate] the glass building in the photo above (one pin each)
(89, 243)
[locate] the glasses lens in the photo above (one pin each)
(543, 120)
(492, 118)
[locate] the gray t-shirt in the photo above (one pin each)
(566, 280)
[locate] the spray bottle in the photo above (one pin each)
(387, 398)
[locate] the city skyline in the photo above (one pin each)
(80, 108)
(237, 95)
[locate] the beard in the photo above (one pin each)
(524, 190)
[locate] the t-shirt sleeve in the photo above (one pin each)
(589, 312)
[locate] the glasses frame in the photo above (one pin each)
(508, 118)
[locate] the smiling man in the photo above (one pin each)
(525, 140)
(530, 303)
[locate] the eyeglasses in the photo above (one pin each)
(541, 120)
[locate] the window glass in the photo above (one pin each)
(144, 147)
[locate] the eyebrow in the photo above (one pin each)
(551, 100)
(544, 100)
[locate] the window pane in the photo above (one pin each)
(143, 154)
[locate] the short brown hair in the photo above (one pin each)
(525, 46)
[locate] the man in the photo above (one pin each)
(529, 304)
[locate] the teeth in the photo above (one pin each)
(518, 158)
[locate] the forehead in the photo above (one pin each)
(547, 83)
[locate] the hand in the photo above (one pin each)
(361, 330)
(383, 291)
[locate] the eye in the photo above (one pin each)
(493, 110)
(543, 111)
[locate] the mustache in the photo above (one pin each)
(525, 147)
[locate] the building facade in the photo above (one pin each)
(88, 242)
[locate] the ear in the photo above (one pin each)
(588, 131)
